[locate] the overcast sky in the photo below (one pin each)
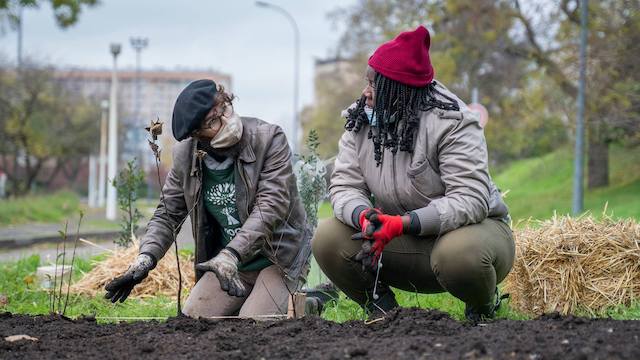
(252, 44)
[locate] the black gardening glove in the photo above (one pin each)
(120, 287)
(225, 266)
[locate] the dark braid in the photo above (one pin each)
(356, 116)
(397, 110)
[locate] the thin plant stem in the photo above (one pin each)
(55, 272)
(130, 217)
(64, 253)
(73, 257)
(175, 238)
(55, 280)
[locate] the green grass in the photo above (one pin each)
(38, 208)
(345, 309)
(537, 187)
(325, 210)
(18, 282)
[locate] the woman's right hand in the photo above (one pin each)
(120, 287)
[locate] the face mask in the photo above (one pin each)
(370, 115)
(230, 133)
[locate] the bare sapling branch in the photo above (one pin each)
(64, 253)
(155, 129)
(73, 257)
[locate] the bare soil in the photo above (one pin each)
(405, 334)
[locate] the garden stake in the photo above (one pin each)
(155, 129)
(73, 257)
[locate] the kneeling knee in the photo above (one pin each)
(324, 242)
(459, 262)
(331, 239)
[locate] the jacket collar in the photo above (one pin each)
(247, 154)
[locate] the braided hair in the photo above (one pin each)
(397, 109)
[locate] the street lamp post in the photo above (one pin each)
(113, 135)
(296, 67)
(102, 162)
(139, 44)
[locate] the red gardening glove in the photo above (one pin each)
(364, 221)
(387, 227)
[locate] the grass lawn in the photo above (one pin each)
(39, 208)
(537, 187)
(18, 282)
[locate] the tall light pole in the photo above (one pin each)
(578, 173)
(113, 135)
(296, 67)
(91, 186)
(102, 163)
(138, 44)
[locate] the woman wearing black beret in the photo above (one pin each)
(249, 226)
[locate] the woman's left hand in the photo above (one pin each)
(380, 230)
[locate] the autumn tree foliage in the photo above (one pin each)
(42, 126)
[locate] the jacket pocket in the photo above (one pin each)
(425, 180)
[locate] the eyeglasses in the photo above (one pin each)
(213, 119)
(213, 123)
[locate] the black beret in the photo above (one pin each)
(192, 105)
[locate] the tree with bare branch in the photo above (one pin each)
(41, 125)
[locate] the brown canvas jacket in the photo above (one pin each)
(273, 218)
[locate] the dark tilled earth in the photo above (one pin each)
(405, 334)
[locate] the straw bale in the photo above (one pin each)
(567, 264)
(163, 280)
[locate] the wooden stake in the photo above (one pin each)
(295, 309)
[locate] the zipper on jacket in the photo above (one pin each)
(246, 188)
(197, 199)
(395, 186)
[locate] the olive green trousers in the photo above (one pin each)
(467, 262)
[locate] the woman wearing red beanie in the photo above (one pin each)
(411, 186)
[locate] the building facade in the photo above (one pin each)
(142, 97)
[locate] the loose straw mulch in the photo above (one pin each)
(163, 280)
(567, 264)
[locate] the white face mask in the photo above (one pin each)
(370, 115)
(230, 133)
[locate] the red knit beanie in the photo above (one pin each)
(406, 58)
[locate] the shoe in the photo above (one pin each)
(317, 297)
(325, 292)
(484, 312)
(313, 306)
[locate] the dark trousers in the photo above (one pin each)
(467, 262)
